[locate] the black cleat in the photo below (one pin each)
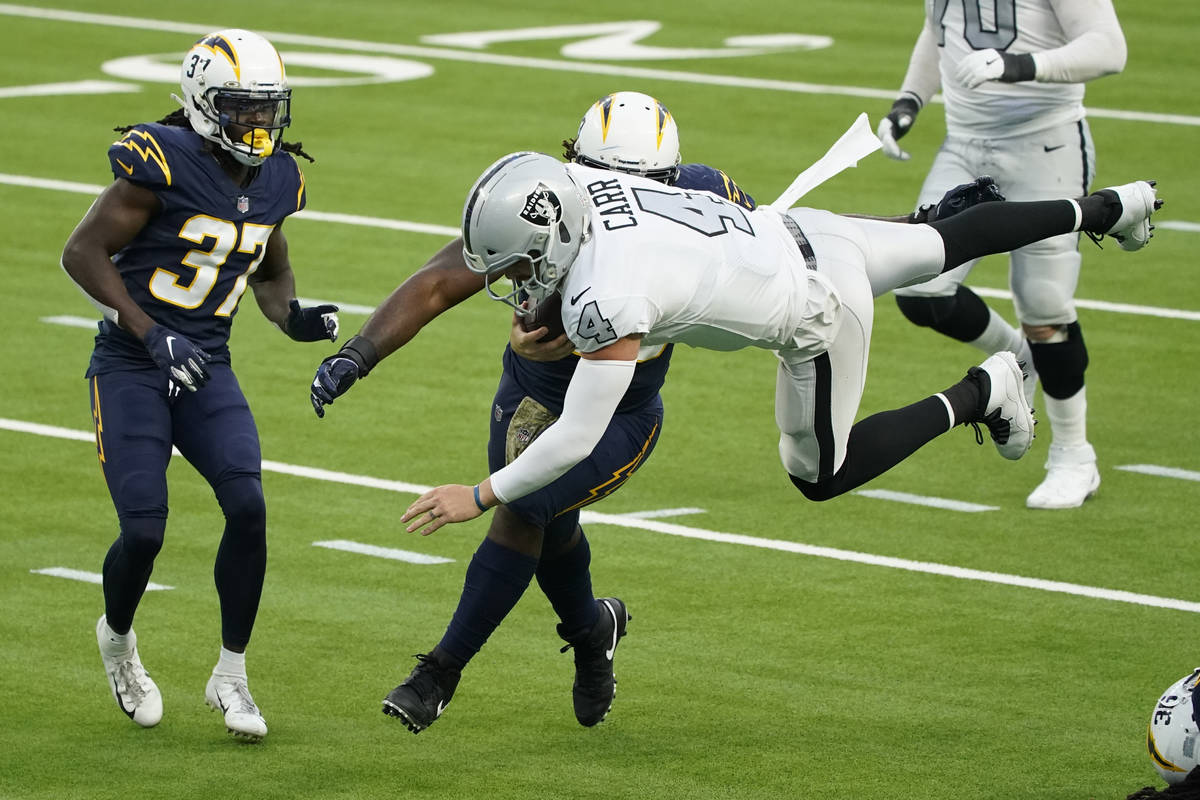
(595, 685)
(424, 695)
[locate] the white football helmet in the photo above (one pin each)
(235, 93)
(631, 132)
(524, 207)
(1173, 736)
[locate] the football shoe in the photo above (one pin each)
(1071, 478)
(230, 694)
(136, 694)
(1132, 228)
(1002, 405)
(424, 695)
(595, 684)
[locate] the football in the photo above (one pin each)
(546, 314)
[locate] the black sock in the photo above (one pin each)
(966, 397)
(496, 578)
(567, 584)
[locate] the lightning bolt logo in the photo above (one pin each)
(618, 477)
(147, 148)
(663, 116)
(605, 116)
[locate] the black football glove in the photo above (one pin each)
(178, 357)
(893, 127)
(311, 324)
(339, 372)
(960, 198)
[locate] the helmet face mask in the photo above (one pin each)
(235, 94)
(1173, 735)
(630, 132)
(524, 219)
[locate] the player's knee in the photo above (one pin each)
(1061, 364)
(242, 502)
(142, 537)
(962, 316)
(817, 491)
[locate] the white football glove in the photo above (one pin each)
(980, 67)
(887, 135)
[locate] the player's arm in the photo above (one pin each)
(1095, 48)
(117, 216)
(921, 82)
(274, 286)
(600, 381)
(442, 283)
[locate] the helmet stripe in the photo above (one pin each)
(663, 116)
(605, 116)
(466, 229)
(1158, 757)
(216, 42)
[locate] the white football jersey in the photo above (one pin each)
(994, 109)
(689, 267)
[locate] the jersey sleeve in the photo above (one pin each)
(1096, 45)
(138, 156)
(301, 193)
(597, 324)
(703, 178)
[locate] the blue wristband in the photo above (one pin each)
(479, 502)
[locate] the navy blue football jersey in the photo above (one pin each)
(189, 267)
(546, 381)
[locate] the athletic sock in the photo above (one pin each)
(231, 664)
(567, 584)
(496, 578)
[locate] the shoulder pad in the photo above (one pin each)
(141, 156)
(701, 177)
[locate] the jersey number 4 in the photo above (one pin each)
(170, 287)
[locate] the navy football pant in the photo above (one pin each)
(136, 426)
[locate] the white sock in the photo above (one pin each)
(1068, 419)
(231, 663)
(115, 643)
(999, 335)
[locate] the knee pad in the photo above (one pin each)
(1061, 365)
(964, 316)
(241, 500)
(142, 537)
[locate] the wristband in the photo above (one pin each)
(362, 352)
(479, 502)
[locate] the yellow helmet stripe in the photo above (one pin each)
(605, 116)
(1158, 757)
(663, 116)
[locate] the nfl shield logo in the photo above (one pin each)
(243, 204)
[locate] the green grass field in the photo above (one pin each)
(755, 667)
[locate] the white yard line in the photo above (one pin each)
(90, 577)
(1162, 472)
(383, 552)
(921, 500)
(627, 521)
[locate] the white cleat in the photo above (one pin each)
(1025, 362)
(1071, 478)
(1006, 413)
(136, 694)
(230, 695)
(1133, 230)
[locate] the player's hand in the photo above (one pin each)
(979, 67)
(895, 125)
(334, 378)
(178, 357)
(443, 505)
(311, 324)
(526, 345)
(981, 190)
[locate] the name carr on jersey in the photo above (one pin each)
(609, 199)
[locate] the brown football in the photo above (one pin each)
(546, 314)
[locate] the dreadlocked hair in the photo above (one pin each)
(570, 150)
(1188, 790)
(179, 119)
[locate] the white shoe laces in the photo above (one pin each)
(129, 681)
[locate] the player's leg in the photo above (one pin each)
(817, 399)
(215, 432)
(133, 430)
(944, 303)
(1044, 279)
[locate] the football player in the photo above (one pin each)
(1012, 81)
(193, 218)
(693, 268)
(538, 536)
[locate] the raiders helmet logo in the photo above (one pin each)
(542, 207)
